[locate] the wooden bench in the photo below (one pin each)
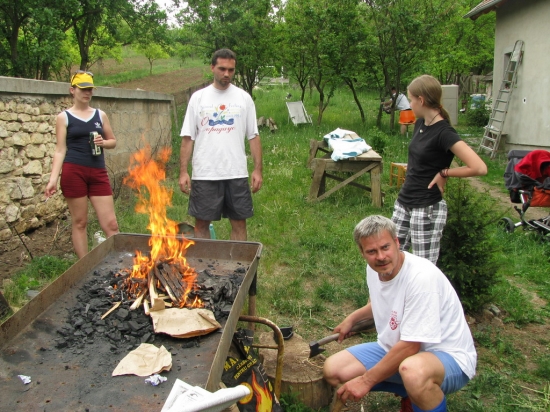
(369, 162)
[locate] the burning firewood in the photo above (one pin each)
(165, 267)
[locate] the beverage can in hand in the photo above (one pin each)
(96, 150)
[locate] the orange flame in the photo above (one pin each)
(145, 175)
(264, 401)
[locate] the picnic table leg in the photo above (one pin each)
(318, 180)
(376, 190)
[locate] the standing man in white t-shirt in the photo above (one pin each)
(218, 120)
(424, 348)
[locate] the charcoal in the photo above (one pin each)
(123, 327)
(114, 335)
(122, 313)
(65, 330)
(189, 343)
(109, 290)
(60, 343)
(134, 325)
(78, 322)
(226, 309)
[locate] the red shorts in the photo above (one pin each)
(81, 181)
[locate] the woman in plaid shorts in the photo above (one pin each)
(420, 212)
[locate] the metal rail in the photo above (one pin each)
(280, 348)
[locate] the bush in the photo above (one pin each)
(377, 139)
(467, 248)
(478, 117)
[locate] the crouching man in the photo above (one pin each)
(424, 349)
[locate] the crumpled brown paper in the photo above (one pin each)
(146, 360)
(184, 323)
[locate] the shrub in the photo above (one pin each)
(377, 139)
(478, 116)
(467, 248)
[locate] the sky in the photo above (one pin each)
(164, 4)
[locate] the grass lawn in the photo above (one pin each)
(311, 274)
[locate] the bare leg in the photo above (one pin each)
(78, 207)
(403, 129)
(202, 229)
(105, 211)
(423, 375)
(342, 367)
(238, 229)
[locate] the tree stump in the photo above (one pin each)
(302, 377)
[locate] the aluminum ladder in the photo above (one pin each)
(493, 131)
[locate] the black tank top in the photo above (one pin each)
(79, 150)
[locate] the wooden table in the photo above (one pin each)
(369, 162)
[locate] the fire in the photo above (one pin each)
(145, 176)
(264, 402)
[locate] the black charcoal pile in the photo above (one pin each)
(219, 292)
(126, 329)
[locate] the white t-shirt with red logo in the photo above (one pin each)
(218, 121)
(420, 305)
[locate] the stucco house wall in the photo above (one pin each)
(528, 121)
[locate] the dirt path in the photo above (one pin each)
(169, 83)
(504, 204)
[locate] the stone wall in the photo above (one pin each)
(28, 109)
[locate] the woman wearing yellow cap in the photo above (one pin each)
(83, 133)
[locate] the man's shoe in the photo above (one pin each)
(406, 405)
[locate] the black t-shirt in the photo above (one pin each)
(429, 152)
(79, 150)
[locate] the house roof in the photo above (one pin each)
(484, 7)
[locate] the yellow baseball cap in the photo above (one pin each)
(82, 80)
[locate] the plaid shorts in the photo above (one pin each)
(421, 227)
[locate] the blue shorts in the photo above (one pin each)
(369, 354)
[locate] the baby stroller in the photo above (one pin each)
(527, 177)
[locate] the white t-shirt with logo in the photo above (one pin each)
(218, 121)
(420, 305)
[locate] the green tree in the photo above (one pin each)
(244, 26)
(295, 36)
(152, 52)
(467, 248)
(464, 45)
(32, 31)
(402, 30)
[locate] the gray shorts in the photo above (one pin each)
(213, 199)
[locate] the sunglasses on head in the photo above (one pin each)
(83, 71)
